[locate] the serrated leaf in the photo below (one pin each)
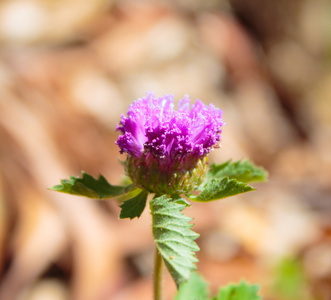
(241, 291)
(195, 288)
(215, 189)
(90, 187)
(174, 238)
(134, 207)
(243, 171)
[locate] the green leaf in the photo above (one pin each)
(195, 288)
(134, 207)
(182, 201)
(130, 193)
(174, 238)
(241, 291)
(215, 189)
(90, 187)
(243, 171)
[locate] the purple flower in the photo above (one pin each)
(155, 135)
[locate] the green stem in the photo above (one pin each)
(158, 272)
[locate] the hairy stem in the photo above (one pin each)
(158, 275)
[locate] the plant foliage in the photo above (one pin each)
(173, 237)
(197, 289)
(134, 207)
(242, 171)
(219, 188)
(171, 229)
(228, 179)
(90, 187)
(241, 291)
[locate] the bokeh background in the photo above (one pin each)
(69, 68)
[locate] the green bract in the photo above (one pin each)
(179, 178)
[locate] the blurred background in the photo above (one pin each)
(69, 68)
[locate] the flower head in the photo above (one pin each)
(165, 144)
